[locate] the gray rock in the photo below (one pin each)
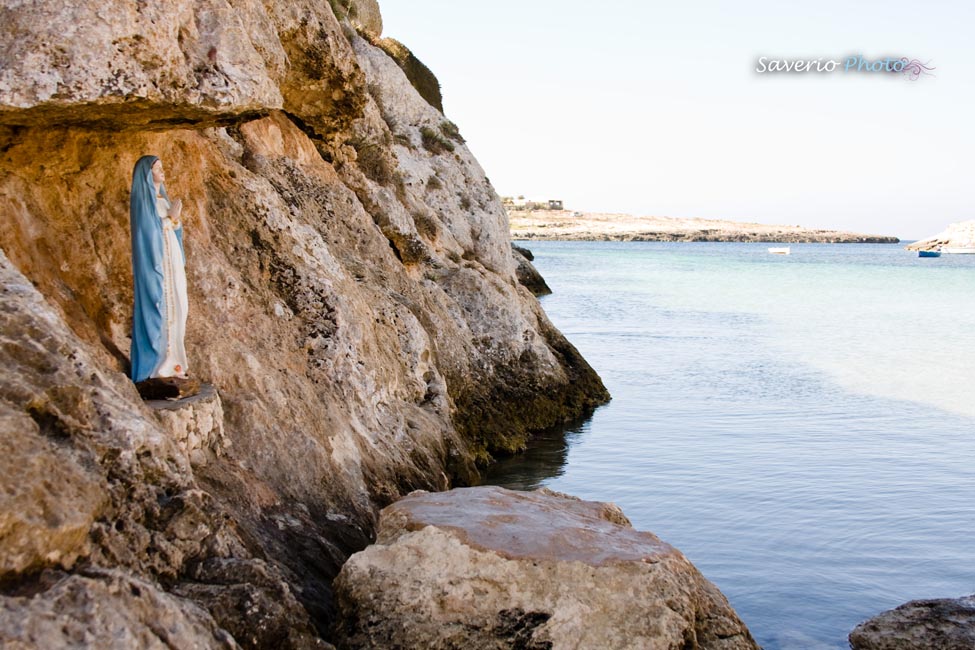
(528, 275)
(943, 624)
(105, 610)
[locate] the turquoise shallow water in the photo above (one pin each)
(801, 427)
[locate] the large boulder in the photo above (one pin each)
(943, 624)
(488, 567)
(365, 15)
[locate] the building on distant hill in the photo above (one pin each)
(521, 203)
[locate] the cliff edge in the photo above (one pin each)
(353, 301)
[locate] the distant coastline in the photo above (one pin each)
(590, 226)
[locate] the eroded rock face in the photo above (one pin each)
(493, 568)
(353, 300)
(50, 501)
(105, 610)
(944, 624)
(91, 478)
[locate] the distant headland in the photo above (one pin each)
(548, 220)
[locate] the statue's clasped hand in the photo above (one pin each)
(175, 211)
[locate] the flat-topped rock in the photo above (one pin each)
(540, 525)
(942, 624)
(196, 424)
(487, 567)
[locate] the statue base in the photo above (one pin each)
(168, 388)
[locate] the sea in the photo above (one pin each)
(801, 427)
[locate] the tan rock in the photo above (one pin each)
(48, 502)
(365, 14)
(88, 471)
(492, 568)
(138, 60)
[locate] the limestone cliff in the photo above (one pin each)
(353, 300)
(960, 235)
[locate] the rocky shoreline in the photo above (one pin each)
(366, 338)
(566, 225)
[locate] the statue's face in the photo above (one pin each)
(158, 176)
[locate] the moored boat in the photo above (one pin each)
(929, 253)
(780, 250)
(958, 250)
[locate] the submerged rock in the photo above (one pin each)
(943, 624)
(488, 567)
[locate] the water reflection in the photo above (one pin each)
(544, 459)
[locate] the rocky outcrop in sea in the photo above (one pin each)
(961, 235)
(941, 624)
(568, 225)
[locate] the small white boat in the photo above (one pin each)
(958, 250)
(780, 250)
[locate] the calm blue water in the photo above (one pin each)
(802, 427)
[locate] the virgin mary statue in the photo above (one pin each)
(159, 276)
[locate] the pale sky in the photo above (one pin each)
(655, 107)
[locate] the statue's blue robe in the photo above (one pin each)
(147, 271)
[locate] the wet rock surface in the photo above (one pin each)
(941, 624)
(492, 568)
